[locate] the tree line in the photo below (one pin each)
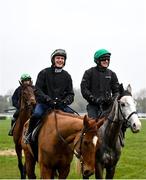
(79, 104)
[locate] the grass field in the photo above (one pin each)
(132, 164)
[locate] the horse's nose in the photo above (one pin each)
(87, 173)
(136, 128)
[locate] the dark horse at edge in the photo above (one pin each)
(122, 115)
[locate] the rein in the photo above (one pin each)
(60, 136)
(73, 110)
(126, 120)
(83, 133)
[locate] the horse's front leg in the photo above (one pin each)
(98, 171)
(30, 165)
(110, 172)
(63, 172)
(46, 172)
(18, 149)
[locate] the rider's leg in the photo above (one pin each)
(37, 114)
(13, 122)
(93, 111)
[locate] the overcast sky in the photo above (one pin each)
(30, 30)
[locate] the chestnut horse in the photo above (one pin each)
(61, 136)
(27, 101)
(122, 116)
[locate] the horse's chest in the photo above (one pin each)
(110, 156)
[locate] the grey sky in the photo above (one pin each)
(31, 29)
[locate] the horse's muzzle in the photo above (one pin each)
(87, 174)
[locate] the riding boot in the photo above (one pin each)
(13, 122)
(32, 123)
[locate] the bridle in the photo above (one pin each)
(28, 104)
(79, 154)
(126, 120)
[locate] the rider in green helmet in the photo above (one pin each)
(99, 84)
(101, 55)
(24, 79)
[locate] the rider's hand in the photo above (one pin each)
(56, 102)
(99, 101)
(51, 102)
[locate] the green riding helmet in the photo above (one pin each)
(100, 53)
(58, 52)
(25, 77)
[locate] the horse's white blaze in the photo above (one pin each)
(130, 107)
(95, 139)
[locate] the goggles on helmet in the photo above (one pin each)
(104, 58)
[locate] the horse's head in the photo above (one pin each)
(27, 96)
(127, 108)
(87, 144)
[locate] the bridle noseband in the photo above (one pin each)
(83, 133)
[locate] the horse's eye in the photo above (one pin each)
(123, 104)
(86, 143)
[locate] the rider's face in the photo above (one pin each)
(59, 61)
(104, 63)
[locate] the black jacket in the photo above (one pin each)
(51, 85)
(98, 82)
(16, 97)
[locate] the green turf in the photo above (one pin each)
(6, 142)
(132, 164)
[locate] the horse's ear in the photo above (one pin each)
(129, 89)
(121, 88)
(100, 122)
(86, 123)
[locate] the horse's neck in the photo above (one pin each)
(73, 126)
(68, 126)
(24, 113)
(112, 127)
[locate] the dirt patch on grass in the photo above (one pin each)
(8, 152)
